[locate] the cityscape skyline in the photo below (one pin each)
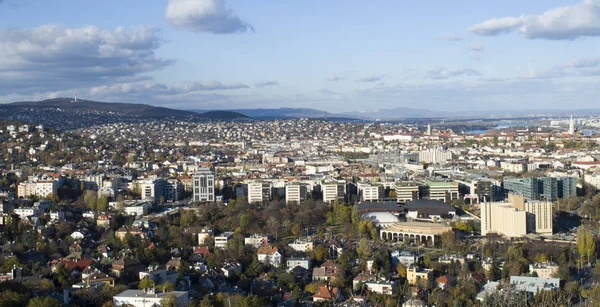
(216, 54)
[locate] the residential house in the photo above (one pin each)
(534, 284)
(303, 262)
(270, 255)
(222, 239)
(359, 281)
(160, 276)
(381, 287)
(545, 269)
(134, 231)
(326, 293)
(301, 245)
(328, 271)
(127, 267)
(446, 281)
(413, 274)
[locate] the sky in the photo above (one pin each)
(337, 56)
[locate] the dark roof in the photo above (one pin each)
(372, 206)
(428, 206)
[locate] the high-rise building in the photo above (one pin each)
(516, 217)
(295, 193)
(503, 219)
(407, 191)
(528, 187)
(542, 188)
(435, 156)
(539, 217)
(173, 190)
(204, 185)
(259, 192)
(571, 126)
(566, 186)
(441, 190)
(333, 190)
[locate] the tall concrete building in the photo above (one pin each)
(370, 192)
(503, 219)
(406, 191)
(516, 217)
(333, 190)
(571, 126)
(435, 156)
(542, 188)
(442, 191)
(203, 183)
(295, 193)
(259, 192)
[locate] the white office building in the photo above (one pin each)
(259, 192)
(333, 191)
(295, 193)
(204, 185)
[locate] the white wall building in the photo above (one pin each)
(259, 192)
(204, 186)
(435, 156)
(333, 190)
(295, 193)
(142, 298)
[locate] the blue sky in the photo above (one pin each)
(331, 55)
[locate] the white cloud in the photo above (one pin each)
(476, 47)
(266, 83)
(575, 68)
(50, 57)
(335, 78)
(205, 16)
(150, 88)
(443, 73)
(370, 78)
(567, 22)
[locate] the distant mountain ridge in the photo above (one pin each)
(282, 113)
(133, 109)
(277, 113)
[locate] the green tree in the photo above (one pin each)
(167, 286)
(13, 298)
(364, 249)
(586, 244)
(145, 283)
(320, 253)
(43, 302)
(10, 263)
(169, 301)
(46, 284)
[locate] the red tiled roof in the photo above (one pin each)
(325, 293)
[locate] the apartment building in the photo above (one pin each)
(333, 190)
(259, 192)
(371, 192)
(414, 274)
(295, 193)
(516, 217)
(441, 191)
(406, 191)
(204, 185)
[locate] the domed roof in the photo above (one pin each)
(380, 217)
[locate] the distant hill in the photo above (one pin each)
(280, 113)
(132, 109)
(223, 115)
(135, 109)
